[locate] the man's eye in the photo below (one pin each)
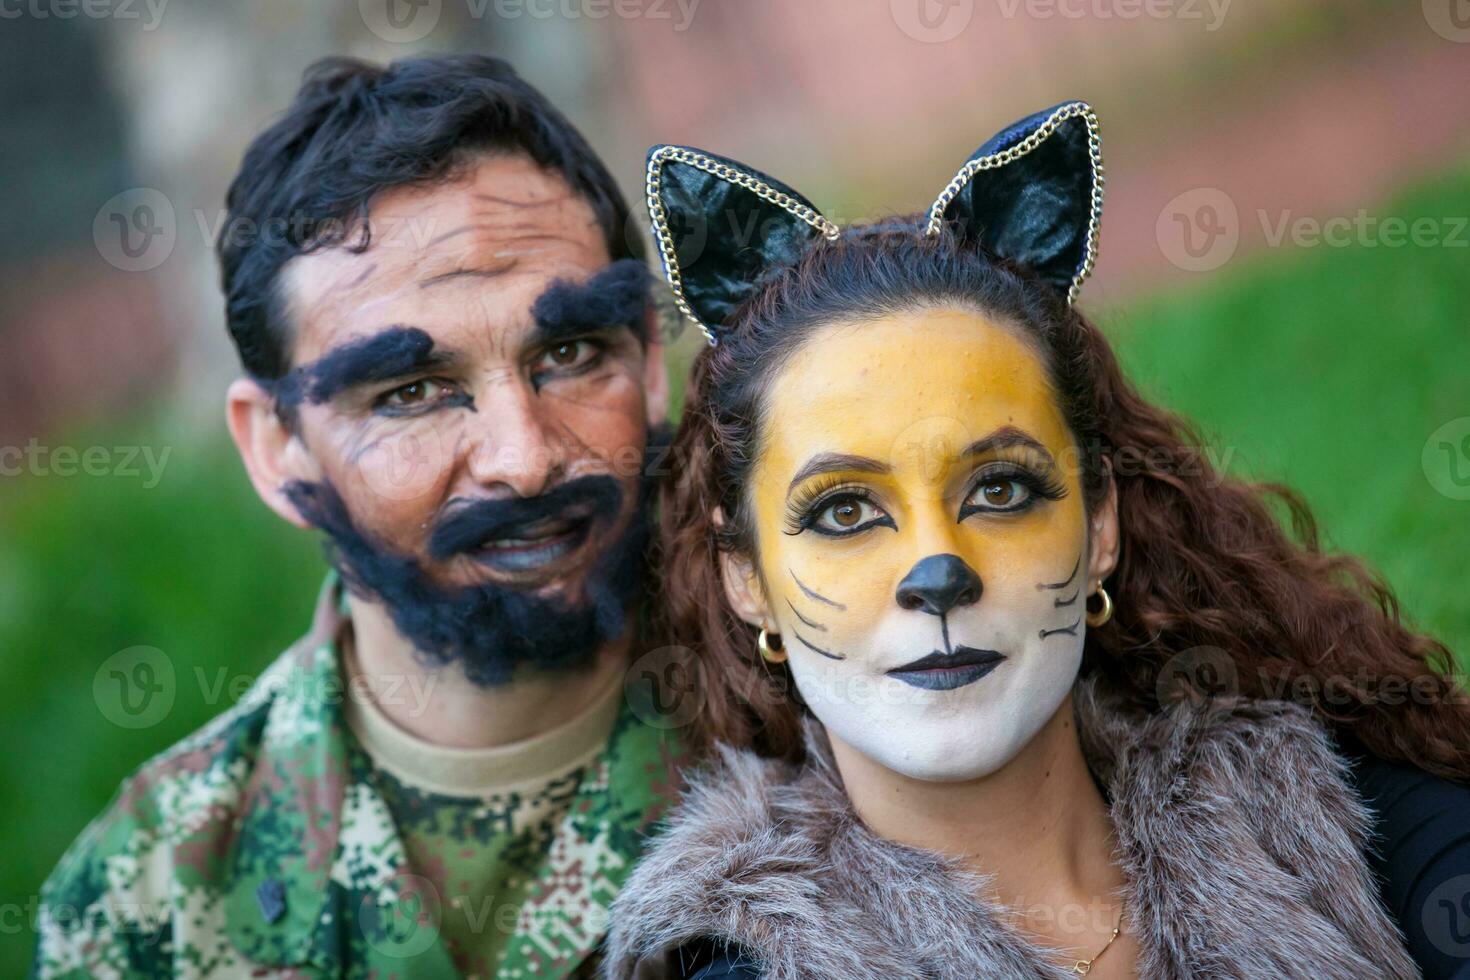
(999, 494)
(572, 354)
(416, 393)
(847, 515)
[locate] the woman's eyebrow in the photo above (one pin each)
(836, 462)
(1002, 438)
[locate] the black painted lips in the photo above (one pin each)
(946, 671)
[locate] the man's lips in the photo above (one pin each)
(946, 671)
(534, 547)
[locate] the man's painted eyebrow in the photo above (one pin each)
(615, 297)
(1005, 437)
(391, 353)
(836, 463)
(489, 273)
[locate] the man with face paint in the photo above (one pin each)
(452, 372)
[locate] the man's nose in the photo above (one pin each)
(514, 440)
(938, 584)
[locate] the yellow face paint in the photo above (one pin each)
(917, 495)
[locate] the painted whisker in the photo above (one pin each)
(810, 594)
(1064, 582)
(1069, 630)
(816, 649)
(804, 620)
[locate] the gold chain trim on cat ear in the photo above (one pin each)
(664, 236)
(993, 161)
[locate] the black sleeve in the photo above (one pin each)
(1421, 854)
(713, 959)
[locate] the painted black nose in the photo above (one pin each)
(939, 583)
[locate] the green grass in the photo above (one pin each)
(196, 567)
(1326, 368)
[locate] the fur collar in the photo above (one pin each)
(1242, 841)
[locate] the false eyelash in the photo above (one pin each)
(813, 498)
(1048, 487)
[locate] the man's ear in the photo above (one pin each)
(1103, 534)
(272, 453)
(742, 585)
(655, 372)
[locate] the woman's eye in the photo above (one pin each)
(999, 494)
(572, 354)
(848, 514)
(416, 393)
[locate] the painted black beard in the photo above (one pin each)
(492, 629)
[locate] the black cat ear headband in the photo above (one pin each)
(1031, 194)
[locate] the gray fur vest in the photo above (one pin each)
(1242, 842)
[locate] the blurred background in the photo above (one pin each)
(1285, 257)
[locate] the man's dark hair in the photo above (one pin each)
(355, 129)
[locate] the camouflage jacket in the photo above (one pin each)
(259, 846)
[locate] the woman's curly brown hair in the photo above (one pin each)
(1206, 572)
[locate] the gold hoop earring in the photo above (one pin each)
(774, 653)
(1096, 619)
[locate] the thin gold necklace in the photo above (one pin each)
(1083, 967)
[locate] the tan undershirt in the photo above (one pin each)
(483, 772)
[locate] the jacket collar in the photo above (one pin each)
(291, 807)
(308, 782)
(1240, 838)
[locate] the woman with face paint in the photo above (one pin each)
(1009, 680)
